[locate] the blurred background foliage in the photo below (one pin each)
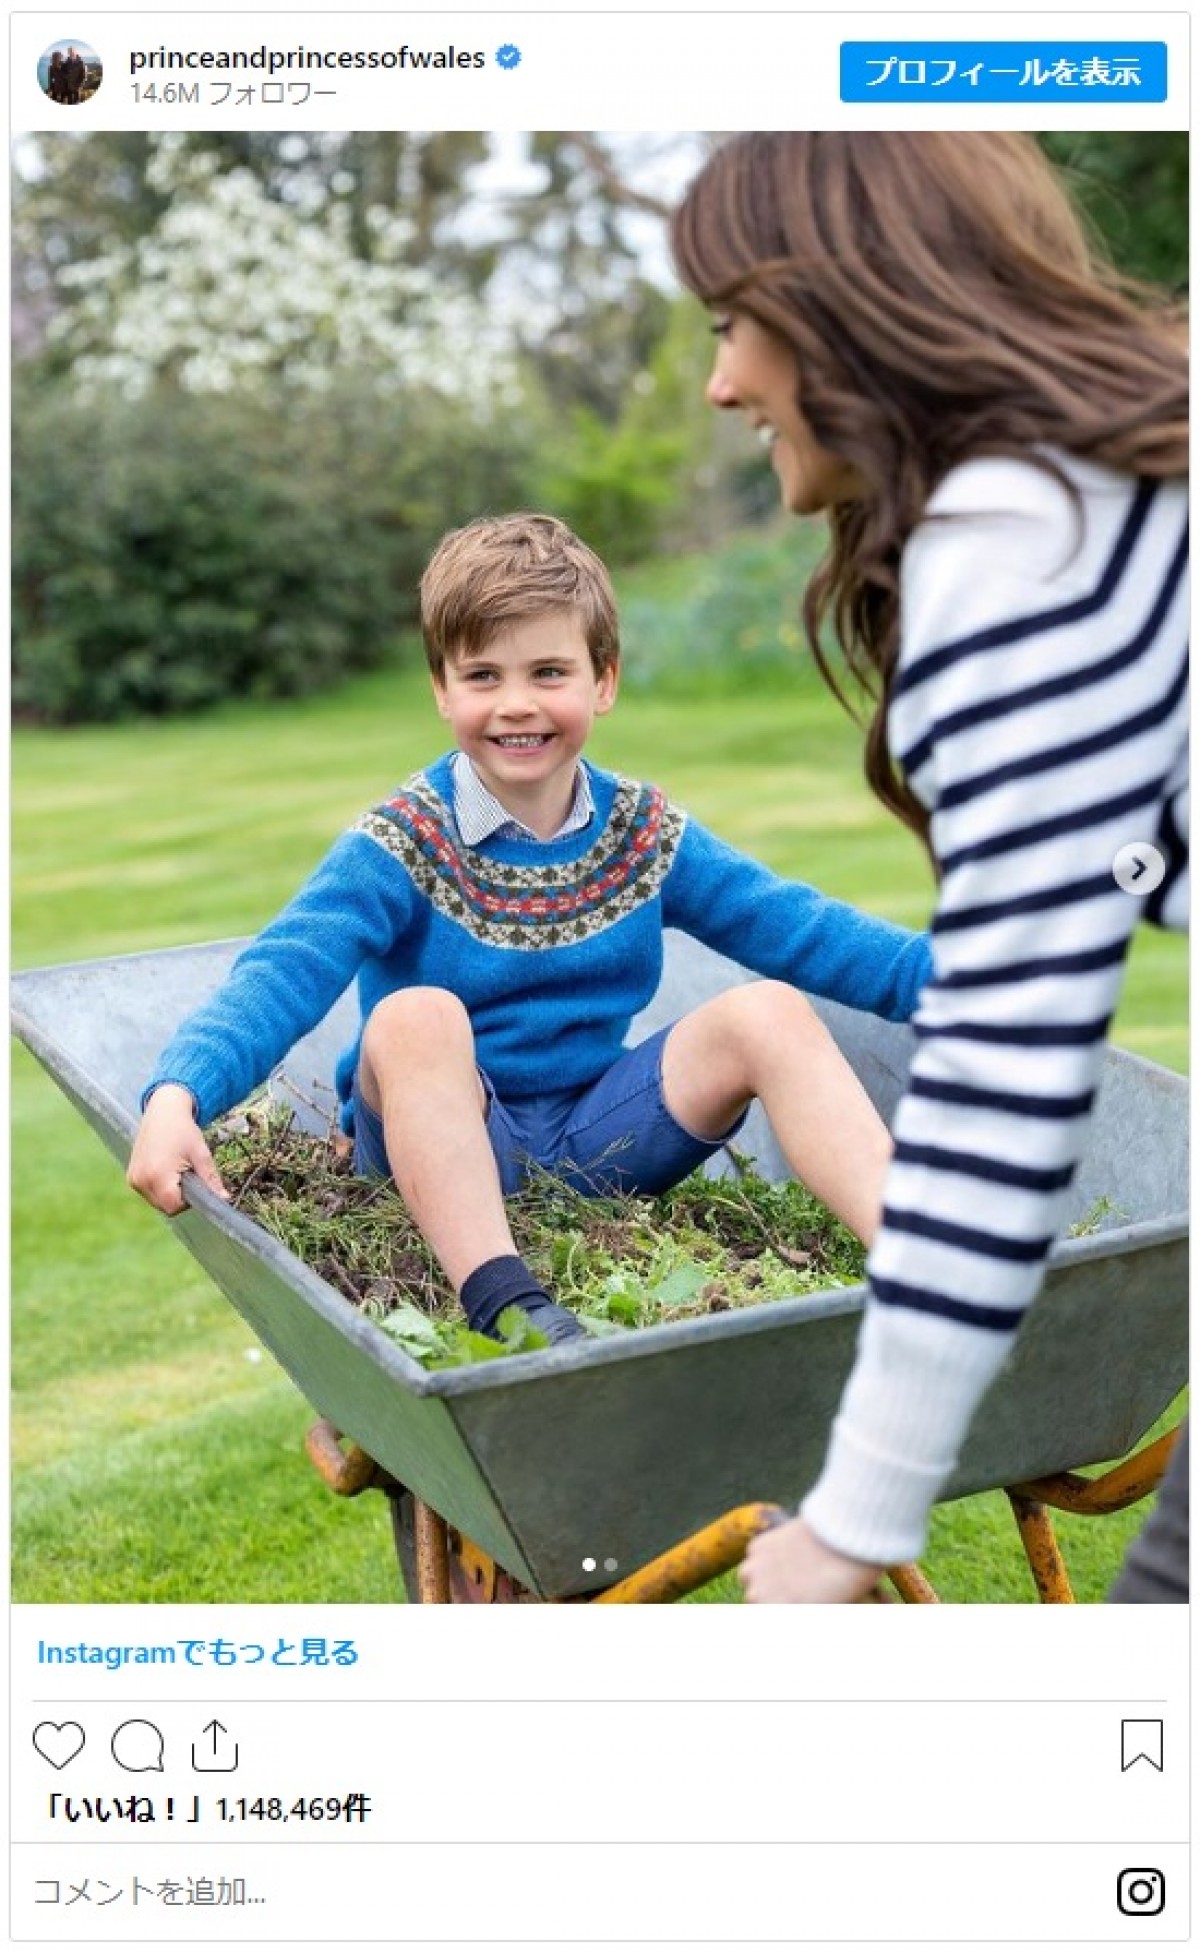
(257, 376)
(1134, 191)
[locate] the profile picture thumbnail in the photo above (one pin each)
(70, 72)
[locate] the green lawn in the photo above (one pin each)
(156, 1457)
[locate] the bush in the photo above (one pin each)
(178, 550)
(614, 485)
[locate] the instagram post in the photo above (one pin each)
(599, 981)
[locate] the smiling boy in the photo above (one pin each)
(503, 914)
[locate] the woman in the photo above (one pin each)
(997, 428)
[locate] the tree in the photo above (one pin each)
(587, 247)
(1133, 187)
(229, 288)
(77, 198)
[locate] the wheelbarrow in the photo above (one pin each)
(637, 1466)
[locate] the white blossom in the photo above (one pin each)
(233, 288)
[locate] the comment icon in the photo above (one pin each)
(138, 1745)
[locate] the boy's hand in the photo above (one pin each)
(789, 1563)
(169, 1144)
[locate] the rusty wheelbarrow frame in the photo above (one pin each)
(439, 1565)
(547, 1466)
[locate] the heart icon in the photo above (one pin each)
(58, 1742)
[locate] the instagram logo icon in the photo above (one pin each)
(1141, 1891)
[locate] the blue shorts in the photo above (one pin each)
(613, 1137)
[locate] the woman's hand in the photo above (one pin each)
(789, 1563)
(169, 1144)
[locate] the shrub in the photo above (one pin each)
(177, 550)
(614, 485)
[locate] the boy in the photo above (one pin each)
(504, 914)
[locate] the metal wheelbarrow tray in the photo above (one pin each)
(617, 1449)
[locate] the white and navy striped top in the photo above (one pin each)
(1040, 713)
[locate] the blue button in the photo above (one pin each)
(1004, 71)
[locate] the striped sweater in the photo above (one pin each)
(1039, 712)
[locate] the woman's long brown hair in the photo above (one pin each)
(942, 302)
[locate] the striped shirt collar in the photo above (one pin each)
(479, 816)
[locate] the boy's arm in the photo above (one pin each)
(353, 907)
(791, 931)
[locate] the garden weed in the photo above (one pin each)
(620, 1262)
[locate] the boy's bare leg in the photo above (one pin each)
(765, 1041)
(417, 1070)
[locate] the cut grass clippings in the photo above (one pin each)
(619, 1262)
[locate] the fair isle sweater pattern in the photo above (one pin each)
(399, 900)
(531, 908)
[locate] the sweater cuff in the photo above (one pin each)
(154, 1085)
(905, 1411)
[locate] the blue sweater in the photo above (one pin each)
(553, 947)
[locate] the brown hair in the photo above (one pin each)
(942, 301)
(504, 569)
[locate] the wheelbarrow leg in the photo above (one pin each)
(438, 1565)
(419, 1536)
(912, 1586)
(432, 1556)
(1042, 1550)
(1123, 1485)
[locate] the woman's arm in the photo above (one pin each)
(1040, 715)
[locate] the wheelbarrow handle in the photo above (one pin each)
(695, 1561)
(347, 1472)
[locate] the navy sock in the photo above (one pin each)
(506, 1282)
